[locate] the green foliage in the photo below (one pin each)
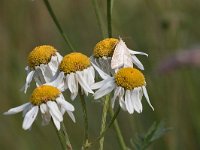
(156, 131)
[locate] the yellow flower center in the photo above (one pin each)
(74, 62)
(44, 93)
(105, 47)
(129, 78)
(41, 55)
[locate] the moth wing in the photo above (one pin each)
(121, 56)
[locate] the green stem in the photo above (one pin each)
(114, 116)
(52, 14)
(63, 137)
(103, 122)
(99, 17)
(118, 132)
(83, 104)
(109, 17)
(67, 142)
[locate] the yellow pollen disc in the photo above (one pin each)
(129, 78)
(44, 93)
(41, 55)
(74, 62)
(105, 47)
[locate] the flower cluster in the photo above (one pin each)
(53, 74)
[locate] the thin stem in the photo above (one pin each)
(53, 16)
(118, 132)
(103, 121)
(67, 142)
(83, 104)
(109, 17)
(63, 136)
(99, 17)
(110, 124)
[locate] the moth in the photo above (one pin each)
(121, 56)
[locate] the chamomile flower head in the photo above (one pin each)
(75, 71)
(51, 103)
(128, 85)
(43, 62)
(112, 54)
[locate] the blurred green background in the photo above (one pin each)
(157, 27)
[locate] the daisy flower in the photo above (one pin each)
(76, 71)
(129, 86)
(43, 62)
(111, 54)
(51, 103)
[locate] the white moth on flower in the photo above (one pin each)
(75, 72)
(112, 54)
(129, 86)
(51, 103)
(43, 62)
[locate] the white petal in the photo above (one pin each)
(128, 102)
(98, 85)
(26, 109)
(56, 122)
(59, 57)
(137, 52)
(17, 109)
(65, 104)
(37, 80)
(116, 94)
(82, 82)
(72, 83)
(30, 117)
(71, 116)
(28, 80)
(43, 108)
(102, 74)
(146, 96)
(107, 88)
(122, 104)
(46, 118)
(47, 72)
(53, 64)
(54, 111)
(136, 101)
(137, 62)
(58, 82)
(39, 74)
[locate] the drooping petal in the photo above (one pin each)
(98, 85)
(28, 80)
(102, 74)
(65, 104)
(71, 115)
(54, 111)
(83, 83)
(30, 117)
(116, 94)
(56, 122)
(43, 108)
(137, 52)
(58, 82)
(17, 109)
(146, 96)
(136, 101)
(128, 102)
(59, 57)
(47, 72)
(137, 62)
(46, 118)
(105, 89)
